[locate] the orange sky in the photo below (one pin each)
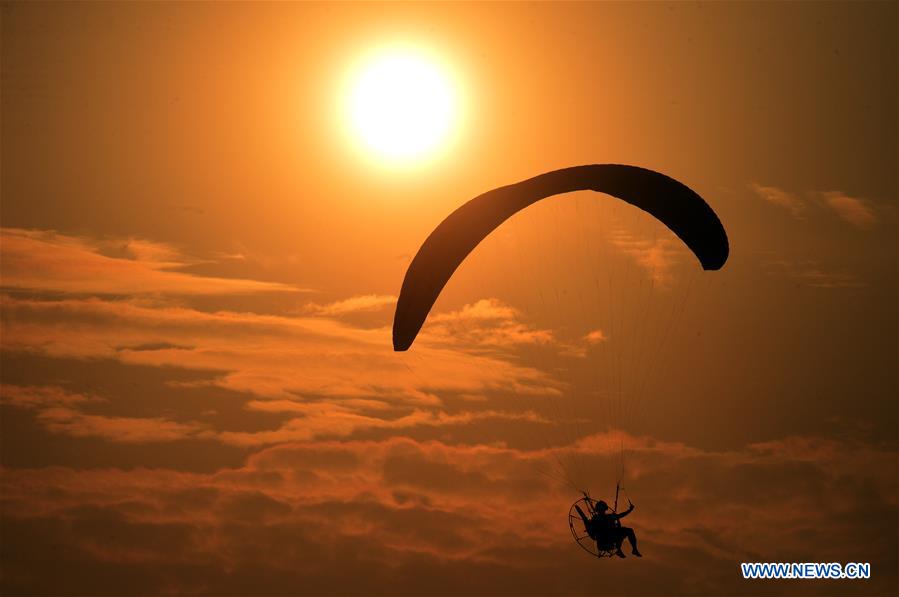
(199, 272)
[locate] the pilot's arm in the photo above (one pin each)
(630, 509)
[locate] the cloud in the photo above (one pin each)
(71, 422)
(265, 355)
(48, 261)
(781, 198)
(297, 377)
(356, 304)
(596, 337)
(857, 212)
(41, 396)
(818, 278)
(154, 346)
(333, 420)
(405, 514)
(316, 376)
(487, 323)
(813, 274)
(57, 412)
(483, 310)
(657, 256)
(580, 349)
(343, 476)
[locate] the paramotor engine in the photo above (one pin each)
(585, 534)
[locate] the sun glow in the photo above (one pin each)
(402, 106)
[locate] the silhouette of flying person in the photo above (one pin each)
(608, 525)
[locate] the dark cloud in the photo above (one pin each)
(365, 518)
(154, 346)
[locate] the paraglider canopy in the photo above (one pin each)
(671, 202)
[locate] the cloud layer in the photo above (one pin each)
(296, 516)
(856, 211)
(49, 261)
(447, 470)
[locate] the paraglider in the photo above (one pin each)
(595, 526)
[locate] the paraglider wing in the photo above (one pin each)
(669, 201)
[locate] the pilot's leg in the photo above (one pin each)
(619, 539)
(632, 538)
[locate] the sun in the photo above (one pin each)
(402, 106)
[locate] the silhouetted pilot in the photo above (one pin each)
(607, 526)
